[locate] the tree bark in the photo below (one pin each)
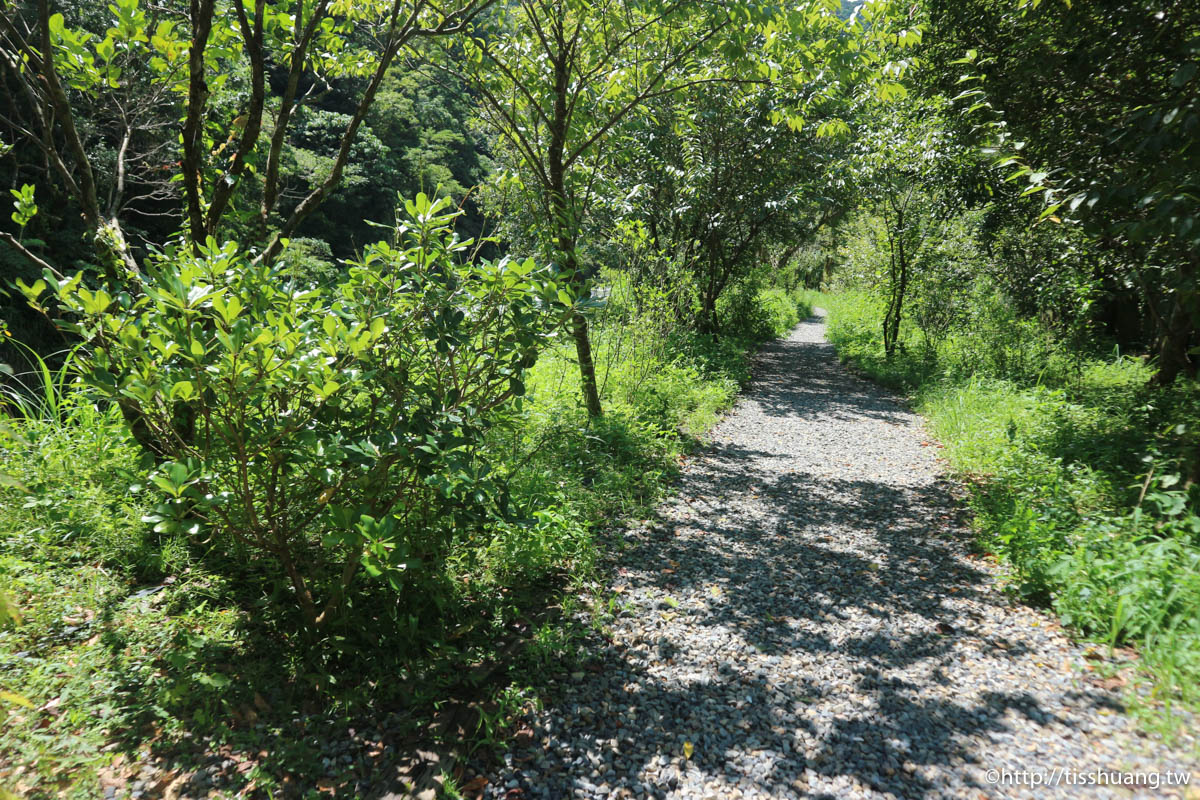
(898, 280)
(193, 125)
(587, 368)
(564, 223)
(1173, 346)
(252, 39)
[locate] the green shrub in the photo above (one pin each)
(326, 430)
(757, 314)
(781, 311)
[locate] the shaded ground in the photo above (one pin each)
(806, 619)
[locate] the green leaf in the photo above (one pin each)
(182, 390)
(1184, 74)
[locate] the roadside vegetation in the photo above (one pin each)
(1073, 465)
(139, 644)
(333, 335)
(1050, 342)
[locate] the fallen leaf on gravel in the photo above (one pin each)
(175, 790)
(688, 749)
(475, 786)
(524, 734)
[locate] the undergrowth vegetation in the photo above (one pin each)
(134, 639)
(1075, 463)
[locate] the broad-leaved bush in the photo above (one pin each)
(332, 430)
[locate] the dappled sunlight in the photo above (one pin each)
(807, 617)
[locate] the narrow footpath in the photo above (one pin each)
(806, 619)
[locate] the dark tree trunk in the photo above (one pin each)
(1173, 346)
(587, 368)
(899, 281)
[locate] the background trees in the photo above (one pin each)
(208, 66)
(1108, 141)
(556, 77)
(717, 184)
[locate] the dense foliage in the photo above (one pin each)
(1019, 262)
(257, 395)
(252, 406)
(1109, 142)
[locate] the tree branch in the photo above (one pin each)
(28, 254)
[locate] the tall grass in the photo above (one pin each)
(39, 391)
(75, 464)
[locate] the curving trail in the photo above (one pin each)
(807, 616)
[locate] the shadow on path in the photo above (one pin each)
(807, 619)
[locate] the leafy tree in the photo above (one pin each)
(218, 63)
(555, 78)
(718, 183)
(914, 177)
(1094, 106)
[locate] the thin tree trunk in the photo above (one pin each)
(587, 368)
(899, 284)
(193, 139)
(564, 222)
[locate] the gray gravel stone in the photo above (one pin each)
(834, 636)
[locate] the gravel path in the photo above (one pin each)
(805, 619)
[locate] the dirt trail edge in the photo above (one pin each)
(806, 619)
